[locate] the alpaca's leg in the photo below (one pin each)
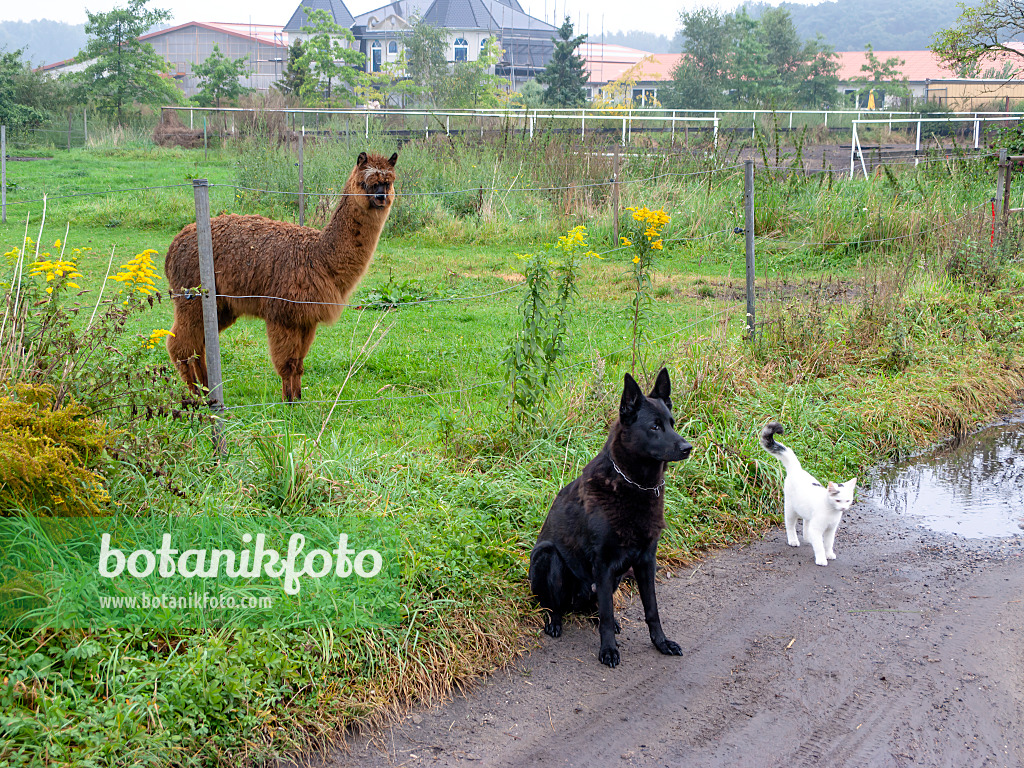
(288, 349)
(187, 345)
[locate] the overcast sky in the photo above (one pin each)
(658, 16)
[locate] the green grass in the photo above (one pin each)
(402, 415)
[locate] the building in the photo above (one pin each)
(642, 73)
(930, 80)
(263, 47)
(527, 41)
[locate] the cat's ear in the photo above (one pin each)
(632, 399)
(852, 483)
(663, 388)
(833, 489)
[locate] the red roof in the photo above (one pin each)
(918, 65)
(607, 62)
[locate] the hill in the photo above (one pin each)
(848, 25)
(44, 41)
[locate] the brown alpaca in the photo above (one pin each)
(255, 257)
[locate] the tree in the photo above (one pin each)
(734, 60)
(14, 111)
(883, 76)
(565, 74)
(329, 59)
(426, 62)
(219, 78)
(818, 75)
(699, 79)
(296, 71)
(463, 85)
(980, 35)
(471, 83)
(123, 70)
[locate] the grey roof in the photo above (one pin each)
(402, 8)
(483, 14)
(336, 8)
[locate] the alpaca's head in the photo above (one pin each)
(374, 177)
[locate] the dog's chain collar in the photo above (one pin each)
(656, 489)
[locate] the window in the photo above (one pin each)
(392, 48)
(461, 49)
(483, 44)
(375, 55)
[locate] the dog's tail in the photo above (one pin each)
(778, 450)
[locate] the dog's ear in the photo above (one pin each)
(361, 160)
(663, 388)
(632, 399)
(393, 159)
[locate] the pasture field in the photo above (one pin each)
(889, 323)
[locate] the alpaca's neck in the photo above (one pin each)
(348, 241)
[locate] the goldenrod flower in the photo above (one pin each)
(155, 337)
(625, 241)
(636, 259)
(54, 270)
(138, 273)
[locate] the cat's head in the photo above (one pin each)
(841, 494)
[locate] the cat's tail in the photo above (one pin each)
(778, 450)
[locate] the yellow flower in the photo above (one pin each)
(138, 273)
(636, 259)
(657, 245)
(625, 241)
(155, 337)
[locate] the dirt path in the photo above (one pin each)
(907, 650)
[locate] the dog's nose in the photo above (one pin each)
(685, 448)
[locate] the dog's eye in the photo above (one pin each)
(656, 426)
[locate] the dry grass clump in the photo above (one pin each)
(171, 132)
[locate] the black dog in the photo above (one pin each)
(609, 519)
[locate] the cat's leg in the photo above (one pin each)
(829, 540)
(791, 518)
(815, 536)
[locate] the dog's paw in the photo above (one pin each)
(830, 556)
(820, 561)
(609, 657)
(794, 542)
(669, 648)
(555, 630)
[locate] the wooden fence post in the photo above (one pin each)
(615, 197)
(3, 174)
(211, 330)
(748, 231)
(302, 184)
(1000, 183)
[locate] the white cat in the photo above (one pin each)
(821, 509)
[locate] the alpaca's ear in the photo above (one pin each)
(632, 400)
(393, 159)
(663, 389)
(361, 160)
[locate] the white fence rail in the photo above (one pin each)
(668, 121)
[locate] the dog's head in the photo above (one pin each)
(374, 175)
(647, 426)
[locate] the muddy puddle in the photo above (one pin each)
(972, 488)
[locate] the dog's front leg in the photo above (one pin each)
(609, 654)
(644, 572)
